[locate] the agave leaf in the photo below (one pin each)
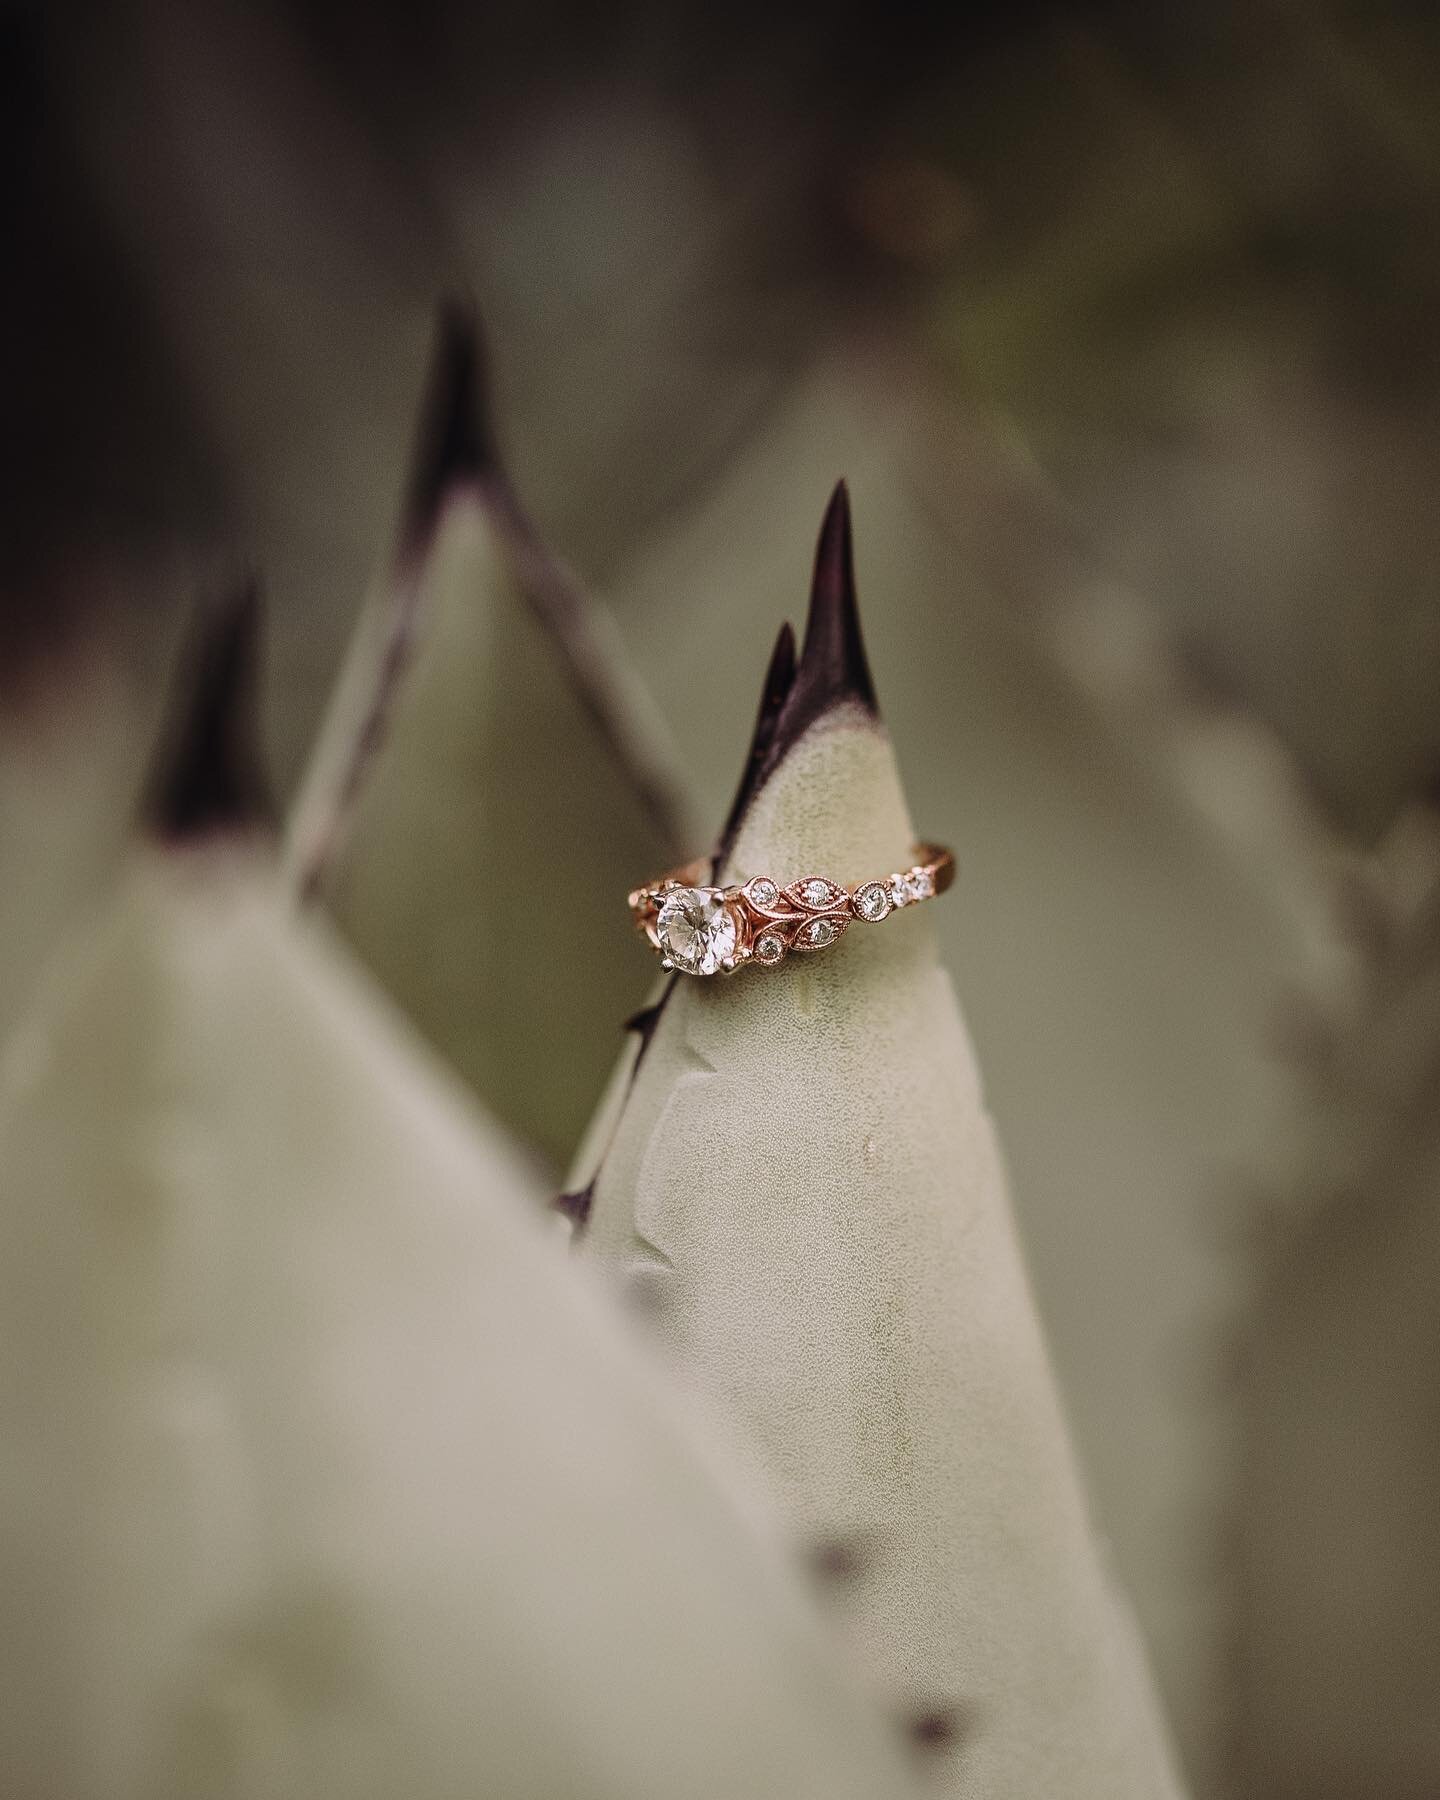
(806, 1163)
(325, 1474)
(1137, 879)
(488, 776)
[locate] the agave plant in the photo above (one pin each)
(325, 1474)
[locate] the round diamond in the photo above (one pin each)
(769, 948)
(900, 894)
(922, 884)
(696, 930)
(818, 893)
(763, 892)
(872, 902)
(820, 932)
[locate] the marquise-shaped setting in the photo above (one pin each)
(815, 894)
(819, 934)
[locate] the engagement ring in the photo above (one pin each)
(704, 930)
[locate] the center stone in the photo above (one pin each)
(696, 930)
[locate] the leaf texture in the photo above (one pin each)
(805, 1165)
(326, 1476)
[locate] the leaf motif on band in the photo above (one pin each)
(813, 893)
(820, 933)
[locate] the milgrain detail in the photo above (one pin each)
(699, 929)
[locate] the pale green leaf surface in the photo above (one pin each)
(325, 1475)
(806, 1163)
(477, 871)
(1119, 950)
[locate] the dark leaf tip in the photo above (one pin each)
(455, 442)
(779, 680)
(576, 1207)
(831, 670)
(209, 776)
(833, 666)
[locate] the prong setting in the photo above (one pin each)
(705, 929)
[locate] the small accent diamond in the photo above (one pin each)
(922, 885)
(820, 931)
(818, 893)
(763, 892)
(872, 902)
(769, 948)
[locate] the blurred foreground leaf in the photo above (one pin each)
(325, 1474)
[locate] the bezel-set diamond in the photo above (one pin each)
(699, 928)
(872, 901)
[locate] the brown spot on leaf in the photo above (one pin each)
(935, 1728)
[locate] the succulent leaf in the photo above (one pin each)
(486, 776)
(809, 1153)
(326, 1474)
(1140, 869)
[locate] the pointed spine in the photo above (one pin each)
(456, 453)
(455, 443)
(833, 665)
(832, 670)
(208, 778)
(779, 679)
(454, 448)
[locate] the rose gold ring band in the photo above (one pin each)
(701, 929)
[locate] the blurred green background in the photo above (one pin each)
(1120, 323)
